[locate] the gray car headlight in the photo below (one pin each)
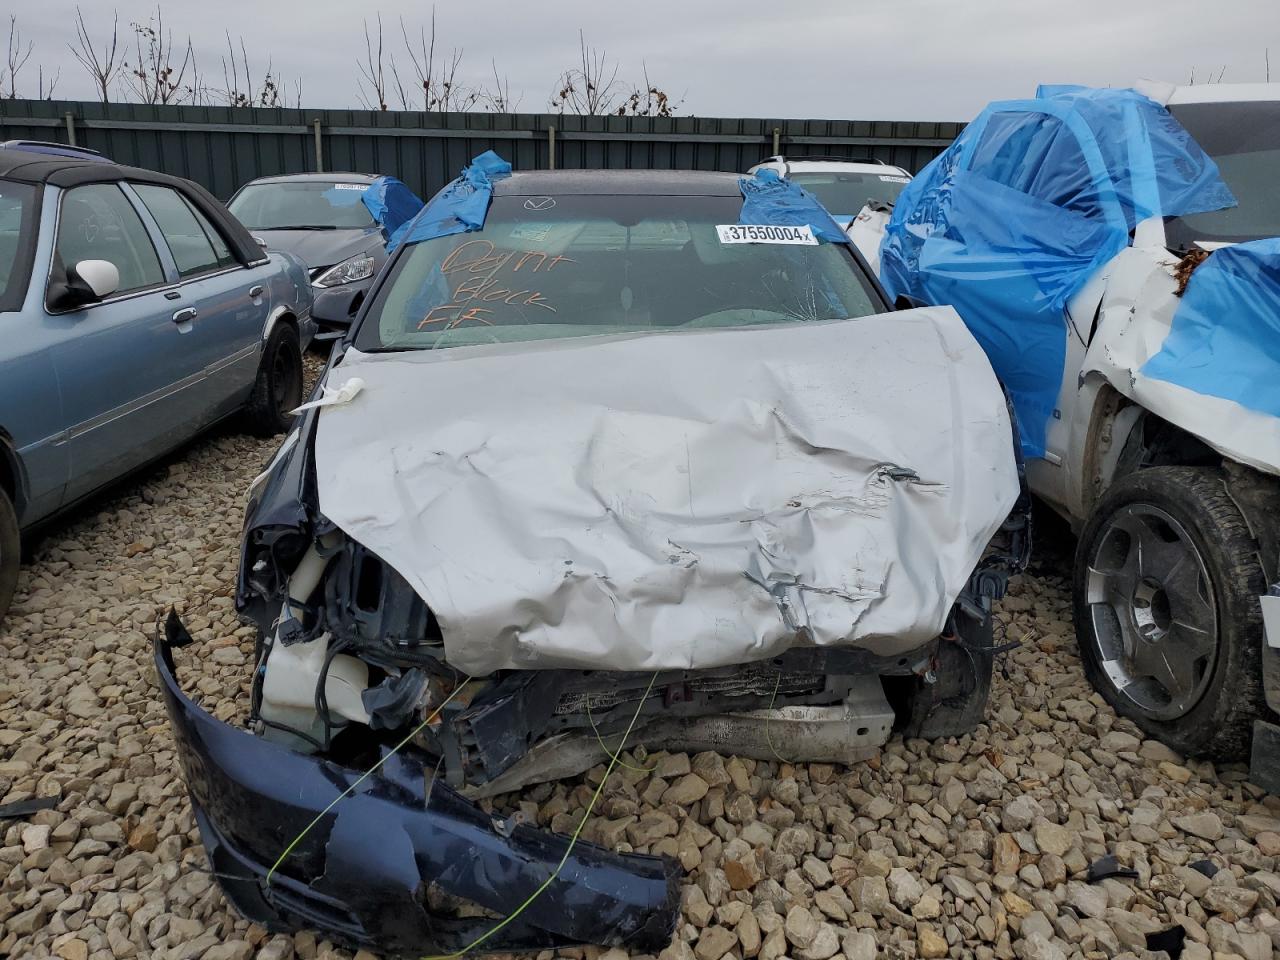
(359, 267)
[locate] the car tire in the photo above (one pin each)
(10, 553)
(277, 391)
(956, 701)
(1166, 587)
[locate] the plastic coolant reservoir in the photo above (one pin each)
(293, 674)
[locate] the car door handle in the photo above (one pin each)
(184, 315)
(255, 291)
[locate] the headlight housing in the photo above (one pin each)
(359, 267)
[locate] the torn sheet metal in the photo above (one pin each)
(1030, 201)
(1136, 321)
(769, 199)
(677, 500)
(392, 206)
(461, 206)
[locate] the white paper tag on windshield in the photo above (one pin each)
(765, 233)
(351, 186)
(895, 179)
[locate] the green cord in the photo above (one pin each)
(568, 850)
(609, 753)
(364, 776)
(767, 735)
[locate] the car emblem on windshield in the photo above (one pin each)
(540, 203)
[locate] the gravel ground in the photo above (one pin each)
(974, 847)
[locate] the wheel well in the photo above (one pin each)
(284, 316)
(1155, 442)
(9, 472)
(1125, 438)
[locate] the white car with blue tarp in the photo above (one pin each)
(1117, 254)
(858, 193)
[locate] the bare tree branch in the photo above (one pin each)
(373, 78)
(17, 59)
(152, 77)
(592, 88)
(101, 66)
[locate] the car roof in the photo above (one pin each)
(332, 177)
(1225, 93)
(800, 165)
(675, 183)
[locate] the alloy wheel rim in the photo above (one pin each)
(1153, 612)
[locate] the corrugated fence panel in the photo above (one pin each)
(225, 147)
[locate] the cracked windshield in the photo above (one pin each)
(569, 266)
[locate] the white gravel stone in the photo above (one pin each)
(976, 844)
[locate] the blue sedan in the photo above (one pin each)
(135, 311)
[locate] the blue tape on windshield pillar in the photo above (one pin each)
(392, 206)
(461, 206)
(1225, 337)
(769, 200)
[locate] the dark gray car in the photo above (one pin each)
(319, 217)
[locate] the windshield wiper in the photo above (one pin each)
(302, 226)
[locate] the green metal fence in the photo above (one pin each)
(224, 147)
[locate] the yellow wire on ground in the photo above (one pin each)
(768, 736)
(363, 777)
(572, 840)
(609, 753)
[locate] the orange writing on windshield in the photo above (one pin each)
(480, 263)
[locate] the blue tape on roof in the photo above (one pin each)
(462, 205)
(1225, 337)
(1029, 201)
(392, 206)
(770, 200)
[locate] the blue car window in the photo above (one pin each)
(97, 222)
(188, 240)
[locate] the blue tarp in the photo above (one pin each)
(392, 205)
(770, 200)
(1225, 337)
(1032, 198)
(462, 205)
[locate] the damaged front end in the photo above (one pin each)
(384, 867)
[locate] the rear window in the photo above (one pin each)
(302, 205)
(549, 267)
(17, 241)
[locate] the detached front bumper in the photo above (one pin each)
(361, 875)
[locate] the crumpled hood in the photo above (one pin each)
(323, 248)
(677, 500)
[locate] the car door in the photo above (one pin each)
(229, 301)
(119, 362)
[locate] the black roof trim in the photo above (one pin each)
(67, 172)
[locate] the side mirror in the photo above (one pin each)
(87, 282)
(100, 276)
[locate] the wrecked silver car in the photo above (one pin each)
(606, 457)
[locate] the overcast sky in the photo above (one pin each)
(848, 59)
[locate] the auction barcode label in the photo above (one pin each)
(765, 233)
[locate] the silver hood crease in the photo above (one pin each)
(679, 499)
